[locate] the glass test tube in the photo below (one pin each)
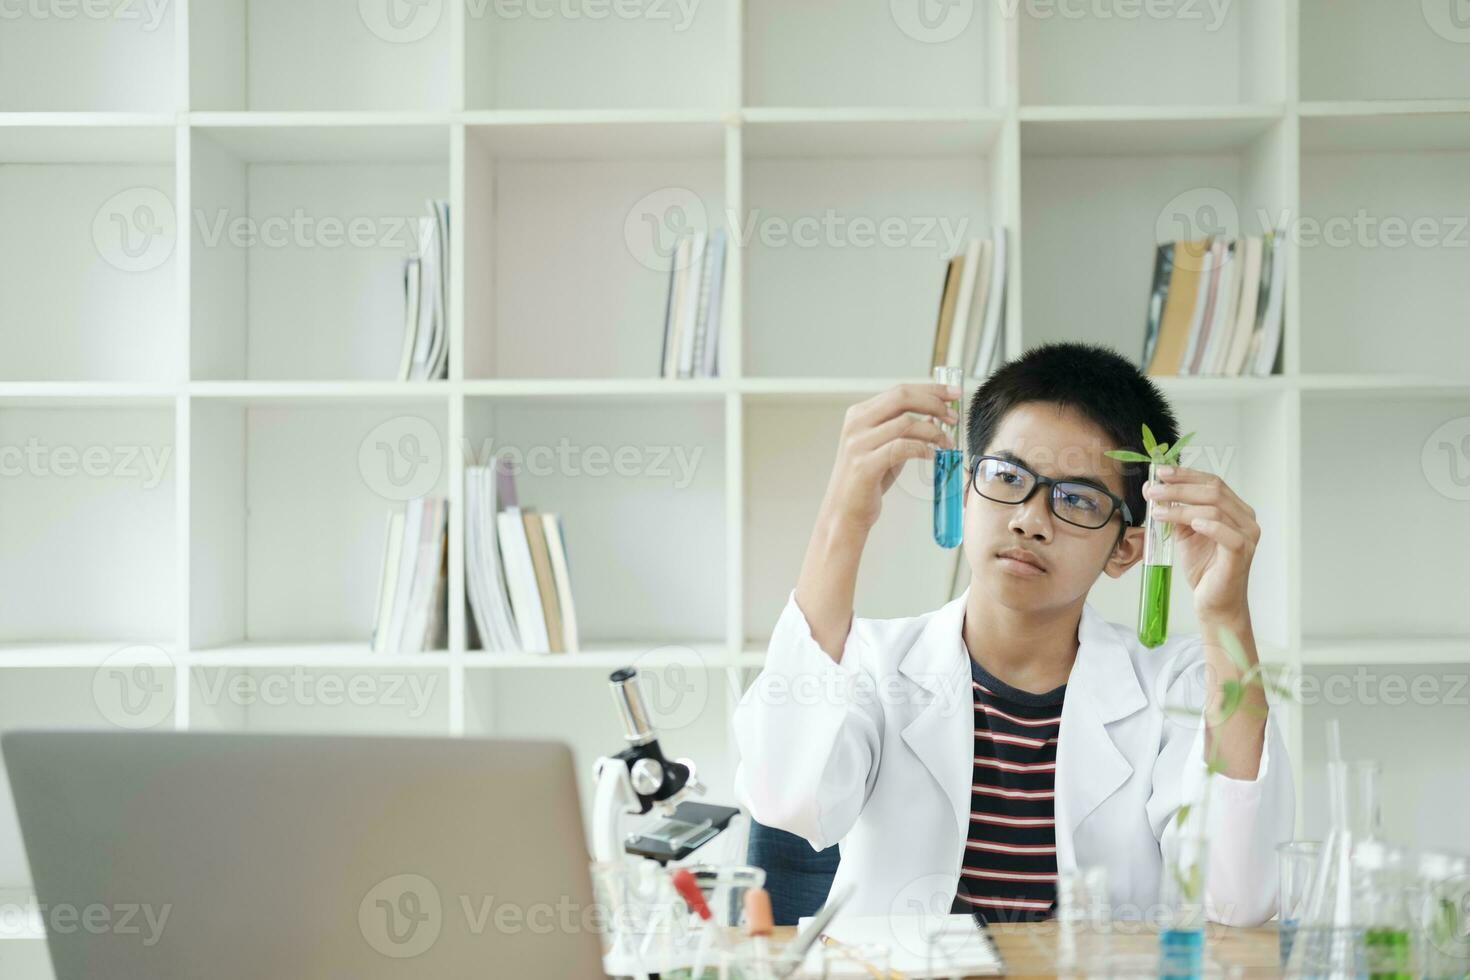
(949, 476)
(1158, 569)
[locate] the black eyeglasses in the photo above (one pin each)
(1083, 504)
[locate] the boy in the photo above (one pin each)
(963, 756)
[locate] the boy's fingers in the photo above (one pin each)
(899, 451)
(1210, 490)
(906, 426)
(1223, 534)
(925, 399)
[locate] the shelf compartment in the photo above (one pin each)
(87, 291)
(1384, 559)
(841, 242)
(627, 478)
(87, 524)
(1367, 50)
(1382, 239)
(1184, 54)
(297, 245)
(87, 56)
(1092, 220)
(288, 508)
(597, 209)
(813, 54)
(319, 54)
(627, 56)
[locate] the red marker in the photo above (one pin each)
(688, 888)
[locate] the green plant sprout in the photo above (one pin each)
(1158, 564)
(1159, 454)
(1274, 678)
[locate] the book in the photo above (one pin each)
(1268, 329)
(1163, 270)
(426, 300)
(689, 310)
(556, 544)
(410, 615)
(387, 581)
(1233, 361)
(417, 631)
(1222, 314)
(952, 273)
(484, 572)
(975, 327)
(411, 287)
(545, 580)
(1179, 306)
(990, 342)
(520, 576)
(1204, 308)
(964, 301)
(678, 288)
(706, 363)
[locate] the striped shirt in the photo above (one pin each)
(1009, 872)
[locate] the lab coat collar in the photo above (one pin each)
(1102, 688)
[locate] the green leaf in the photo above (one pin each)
(1163, 450)
(1215, 767)
(1234, 650)
(1174, 453)
(1230, 694)
(1183, 814)
(1148, 439)
(1128, 456)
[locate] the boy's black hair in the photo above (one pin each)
(1097, 382)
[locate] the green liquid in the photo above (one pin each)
(1387, 953)
(1153, 610)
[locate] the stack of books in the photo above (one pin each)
(426, 300)
(517, 577)
(972, 307)
(692, 308)
(410, 616)
(1216, 307)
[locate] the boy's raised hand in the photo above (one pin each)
(878, 437)
(1216, 538)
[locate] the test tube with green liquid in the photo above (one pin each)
(1158, 568)
(949, 476)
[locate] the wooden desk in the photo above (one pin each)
(1029, 950)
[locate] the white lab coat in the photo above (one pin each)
(875, 753)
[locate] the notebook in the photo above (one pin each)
(966, 947)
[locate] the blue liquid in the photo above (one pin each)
(948, 496)
(1286, 935)
(1181, 953)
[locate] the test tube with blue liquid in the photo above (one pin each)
(949, 469)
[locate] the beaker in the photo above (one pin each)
(949, 469)
(1182, 894)
(1382, 885)
(1158, 571)
(1443, 916)
(1296, 861)
(1329, 939)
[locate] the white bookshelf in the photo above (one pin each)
(259, 369)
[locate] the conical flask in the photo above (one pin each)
(1329, 942)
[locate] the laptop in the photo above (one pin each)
(166, 855)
